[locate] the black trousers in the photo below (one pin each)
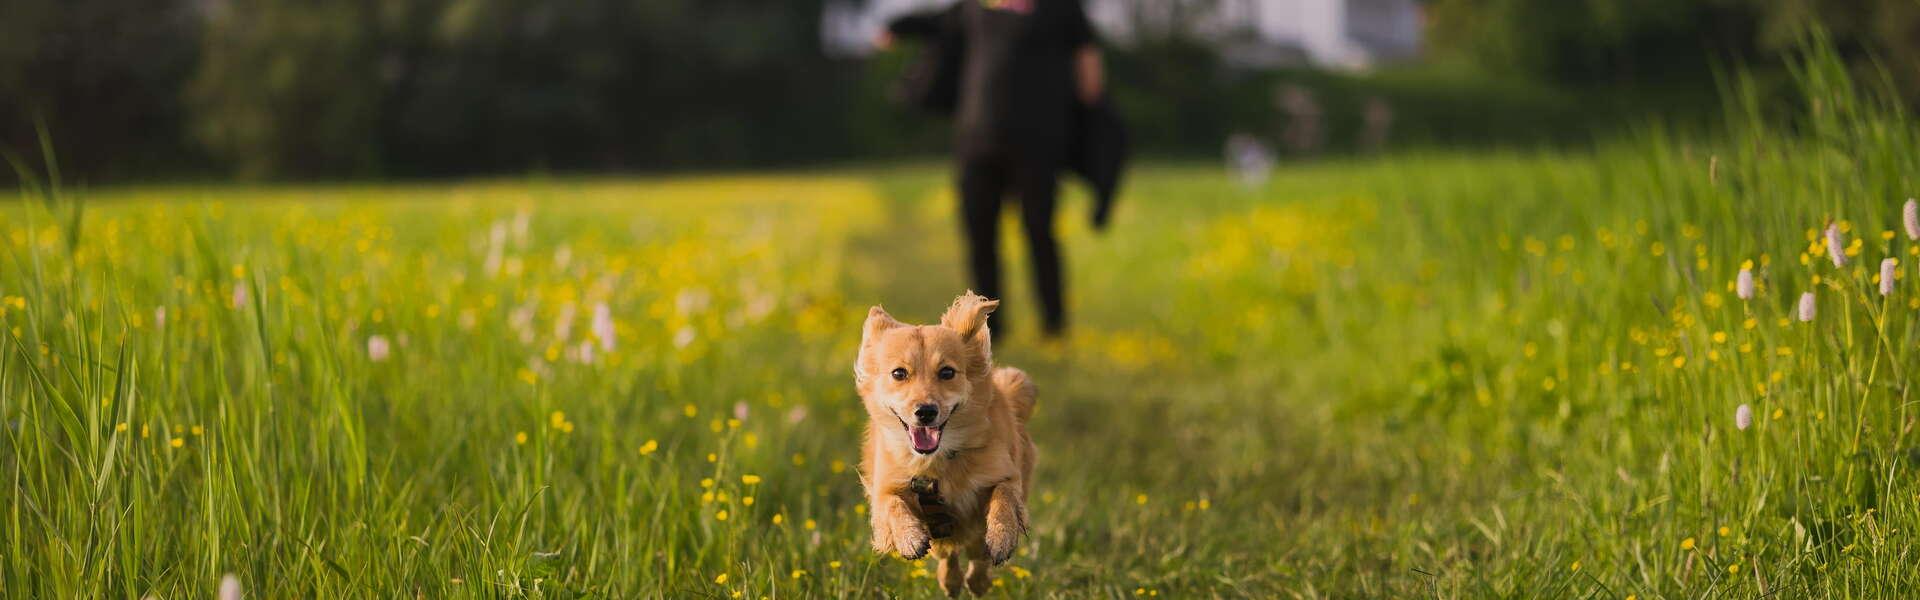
(985, 181)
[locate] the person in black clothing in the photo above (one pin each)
(1024, 67)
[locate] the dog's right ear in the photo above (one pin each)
(878, 321)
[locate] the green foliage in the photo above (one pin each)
(289, 88)
(103, 77)
(1663, 43)
(432, 86)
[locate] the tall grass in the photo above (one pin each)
(1445, 375)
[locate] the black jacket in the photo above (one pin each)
(1098, 146)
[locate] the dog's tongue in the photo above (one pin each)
(925, 439)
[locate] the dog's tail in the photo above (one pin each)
(1014, 388)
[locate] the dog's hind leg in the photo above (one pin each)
(979, 568)
(950, 572)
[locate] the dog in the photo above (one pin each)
(947, 462)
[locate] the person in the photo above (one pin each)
(1025, 70)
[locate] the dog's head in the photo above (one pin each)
(921, 383)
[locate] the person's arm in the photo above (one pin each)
(917, 25)
(1089, 74)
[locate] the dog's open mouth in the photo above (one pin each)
(925, 439)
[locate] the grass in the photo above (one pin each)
(1431, 375)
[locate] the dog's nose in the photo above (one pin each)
(926, 413)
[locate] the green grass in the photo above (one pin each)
(1432, 375)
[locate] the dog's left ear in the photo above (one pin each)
(968, 316)
(877, 321)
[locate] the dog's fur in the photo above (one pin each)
(984, 459)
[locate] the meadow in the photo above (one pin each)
(1538, 374)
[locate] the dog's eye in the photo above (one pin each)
(946, 372)
(899, 374)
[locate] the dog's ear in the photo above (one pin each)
(878, 321)
(968, 316)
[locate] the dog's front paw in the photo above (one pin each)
(911, 540)
(1001, 541)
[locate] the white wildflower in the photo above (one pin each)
(239, 294)
(1743, 285)
(691, 300)
(1806, 307)
(603, 326)
(1886, 275)
(1743, 417)
(1836, 249)
(1910, 215)
(229, 587)
(563, 322)
(378, 348)
(520, 319)
(496, 248)
(522, 221)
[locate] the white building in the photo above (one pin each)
(1339, 34)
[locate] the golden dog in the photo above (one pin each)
(947, 462)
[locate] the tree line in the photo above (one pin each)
(382, 88)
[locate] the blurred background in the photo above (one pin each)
(291, 89)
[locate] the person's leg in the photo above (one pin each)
(983, 182)
(1038, 188)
